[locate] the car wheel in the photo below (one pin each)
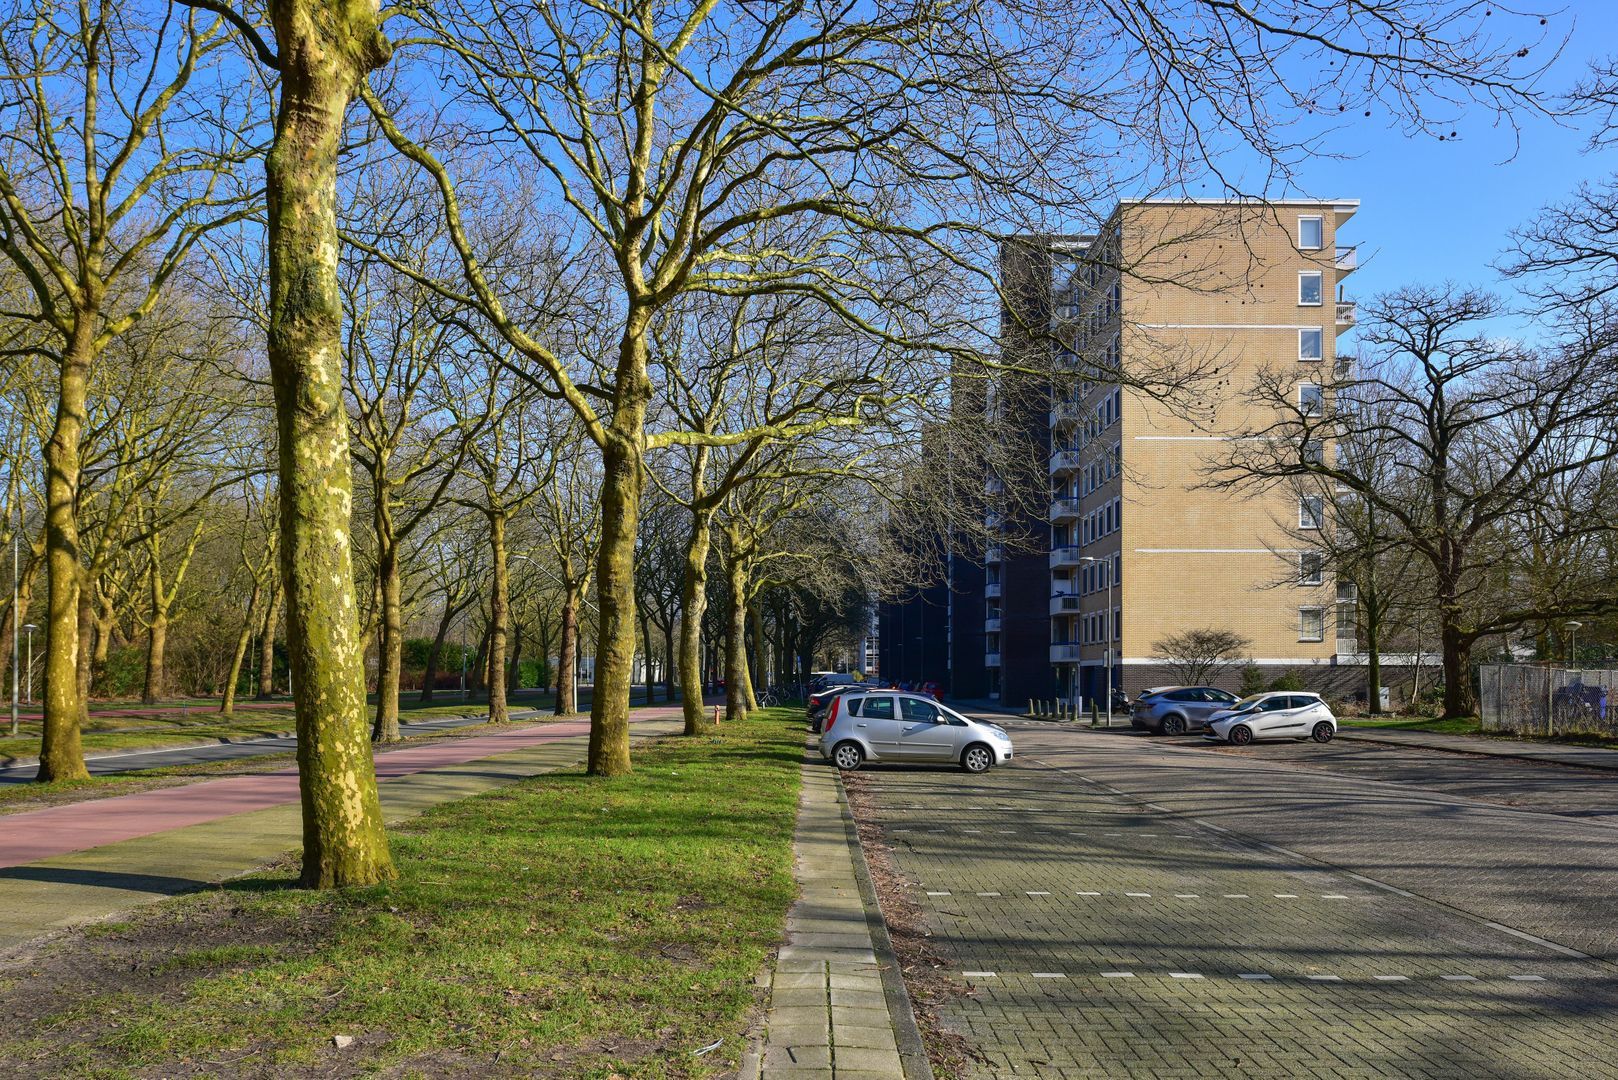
(1174, 725)
(847, 756)
(977, 758)
(1323, 732)
(1241, 735)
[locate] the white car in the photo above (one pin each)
(885, 725)
(1279, 714)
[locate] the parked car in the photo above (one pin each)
(1175, 710)
(887, 726)
(825, 680)
(820, 701)
(1279, 714)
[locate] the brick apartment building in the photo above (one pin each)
(1226, 290)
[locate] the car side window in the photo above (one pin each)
(917, 710)
(878, 708)
(851, 705)
(1185, 695)
(1274, 704)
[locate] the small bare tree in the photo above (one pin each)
(1201, 656)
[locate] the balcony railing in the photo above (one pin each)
(1065, 652)
(1065, 604)
(994, 486)
(1347, 311)
(991, 625)
(1064, 461)
(1064, 509)
(1348, 259)
(994, 553)
(991, 659)
(1066, 412)
(1064, 556)
(991, 591)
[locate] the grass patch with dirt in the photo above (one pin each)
(562, 926)
(1459, 725)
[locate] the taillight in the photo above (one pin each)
(831, 717)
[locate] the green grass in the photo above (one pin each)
(1461, 725)
(570, 925)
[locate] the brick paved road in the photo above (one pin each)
(1146, 930)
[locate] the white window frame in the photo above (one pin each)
(1320, 399)
(1320, 336)
(1320, 283)
(1322, 222)
(1319, 614)
(1311, 512)
(1319, 575)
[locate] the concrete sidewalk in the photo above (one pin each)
(84, 885)
(1547, 753)
(837, 1007)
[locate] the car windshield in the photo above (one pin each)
(1247, 703)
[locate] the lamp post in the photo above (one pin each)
(1107, 649)
(1573, 643)
(29, 628)
(16, 613)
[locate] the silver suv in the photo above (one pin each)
(1175, 710)
(888, 726)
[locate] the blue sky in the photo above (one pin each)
(1434, 211)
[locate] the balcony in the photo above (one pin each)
(994, 553)
(1064, 461)
(1065, 604)
(991, 591)
(991, 624)
(1347, 311)
(1064, 557)
(1066, 412)
(1064, 509)
(1065, 652)
(1348, 259)
(994, 486)
(991, 659)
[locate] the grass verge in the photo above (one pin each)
(563, 926)
(1460, 725)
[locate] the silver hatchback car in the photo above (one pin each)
(889, 726)
(1175, 710)
(1279, 714)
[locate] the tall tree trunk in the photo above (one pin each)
(61, 751)
(567, 686)
(738, 694)
(478, 670)
(667, 630)
(622, 480)
(390, 642)
(646, 653)
(693, 605)
(326, 48)
(266, 642)
(759, 661)
(514, 666)
(157, 641)
(84, 672)
(499, 613)
(1459, 700)
(227, 701)
(1373, 653)
(435, 654)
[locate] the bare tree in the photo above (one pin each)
(1198, 657)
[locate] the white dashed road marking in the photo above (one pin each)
(1184, 975)
(1049, 975)
(979, 974)
(1256, 976)
(1117, 974)
(1526, 978)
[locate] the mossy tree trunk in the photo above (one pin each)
(326, 49)
(738, 691)
(390, 642)
(266, 642)
(693, 605)
(61, 753)
(155, 686)
(567, 657)
(435, 655)
(244, 638)
(623, 477)
(499, 615)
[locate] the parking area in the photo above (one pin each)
(1116, 906)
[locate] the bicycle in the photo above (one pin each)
(769, 699)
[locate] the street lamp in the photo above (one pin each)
(29, 629)
(1573, 643)
(1107, 653)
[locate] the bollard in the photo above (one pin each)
(1031, 712)
(1095, 715)
(716, 716)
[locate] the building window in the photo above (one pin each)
(1311, 568)
(1311, 399)
(1311, 233)
(1311, 624)
(1309, 288)
(1311, 511)
(1314, 452)
(1311, 343)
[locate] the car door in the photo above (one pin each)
(925, 734)
(1291, 719)
(1202, 704)
(1269, 719)
(878, 725)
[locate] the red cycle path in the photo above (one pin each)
(42, 834)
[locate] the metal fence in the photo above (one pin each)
(1547, 701)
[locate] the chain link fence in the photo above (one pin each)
(1533, 700)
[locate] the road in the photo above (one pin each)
(1114, 905)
